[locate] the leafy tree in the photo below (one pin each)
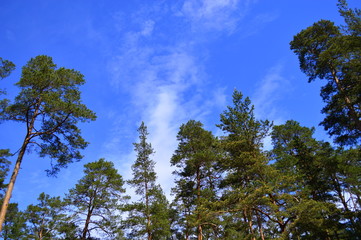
(195, 190)
(148, 217)
(45, 218)
(333, 53)
(49, 105)
(96, 199)
(245, 168)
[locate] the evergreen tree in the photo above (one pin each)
(195, 191)
(333, 53)
(15, 227)
(4, 169)
(6, 67)
(45, 218)
(96, 200)
(148, 217)
(50, 107)
(245, 168)
(308, 199)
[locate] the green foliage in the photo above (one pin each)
(4, 168)
(96, 199)
(45, 218)
(226, 188)
(333, 53)
(195, 190)
(243, 142)
(149, 216)
(144, 176)
(15, 224)
(245, 168)
(49, 105)
(6, 67)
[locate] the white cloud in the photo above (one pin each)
(165, 77)
(214, 14)
(271, 89)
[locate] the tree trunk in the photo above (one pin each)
(200, 231)
(149, 233)
(30, 126)
(10, 187)
(40, 235)
(87, 222)
(260, 226)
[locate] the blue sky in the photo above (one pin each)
(162, 62)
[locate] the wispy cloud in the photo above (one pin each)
(165, 75)
(269, 91)
(215, 15)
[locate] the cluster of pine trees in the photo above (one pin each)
(226, 187)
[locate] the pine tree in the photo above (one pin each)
(148, 217)
(4, 169)
(307, 190)
(49, 106)
(45, 218)
(333, 53)
(96, 200)
(195, 191)
(15, 224)
(6, 67)
(245, 168)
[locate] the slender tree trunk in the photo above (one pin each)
(10, 187)
(248, 219)
(41, 234)
(200, 231)
(260, 227)
(30, 121)
(337, 186)
(87, 222)
(149, 233)
(187, 213)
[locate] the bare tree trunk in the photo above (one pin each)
(10, 187)
(30, 123)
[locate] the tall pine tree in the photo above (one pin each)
(49, 106)
(333, 53)
(195, 191)
(148, 217)
(244, 165)
(96, 200)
